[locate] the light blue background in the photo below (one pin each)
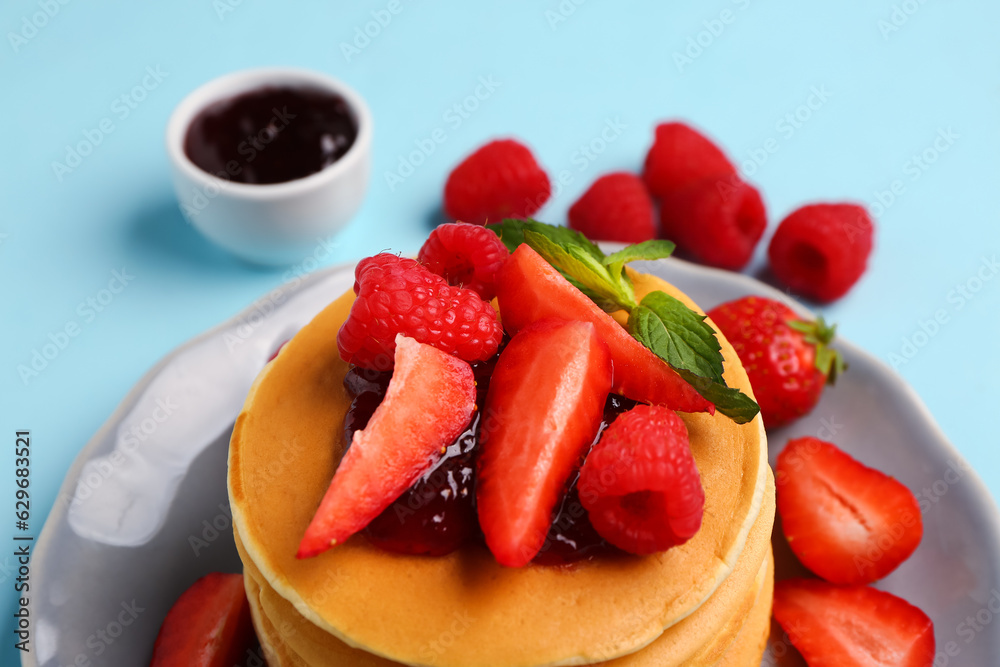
(890, 94)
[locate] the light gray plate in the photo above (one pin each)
(143, 511)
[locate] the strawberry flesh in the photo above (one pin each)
(860, 626)
(208, 626)
(530, 289)
(848, 523)
(543, 410)
(429, 402)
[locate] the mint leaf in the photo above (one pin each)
(647, 250)
(731, 402)
(677, 334)
(581, 267)
(674, 332)
(511, 232)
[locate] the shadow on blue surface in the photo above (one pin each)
(159, 231)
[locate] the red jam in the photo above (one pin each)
(438, 514)
(271, 135)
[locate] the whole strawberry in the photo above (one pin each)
(788, 359)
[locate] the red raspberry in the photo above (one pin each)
(380, 261)
(640, 485)
(500, 180)
(617, 207)
(821, 250)
(718, 222)
(465, 255)
(681, 156)
(398, 295)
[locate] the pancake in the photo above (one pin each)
(284, 450)
(748, 649)
(715, 650)
(714, 624)
(273, 646)
(742, 641)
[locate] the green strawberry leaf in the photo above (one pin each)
(677, 334)
(829, 361)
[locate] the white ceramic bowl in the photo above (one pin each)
(276, 223)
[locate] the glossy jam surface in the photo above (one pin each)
(271, 134)
(438, 514)
(572, 537)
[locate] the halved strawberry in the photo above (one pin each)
(208, 626)
(543, 410)
(848, 523)
(856, 626)
(430, 400)
(530, 289)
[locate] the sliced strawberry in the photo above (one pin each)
(530, 289)
(846, 522)
(856, 626)
(208, 626)
(543, 410)
(430, 400)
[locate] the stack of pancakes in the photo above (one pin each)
(707, 602)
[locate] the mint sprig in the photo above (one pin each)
(677, 334)
(672, 331)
